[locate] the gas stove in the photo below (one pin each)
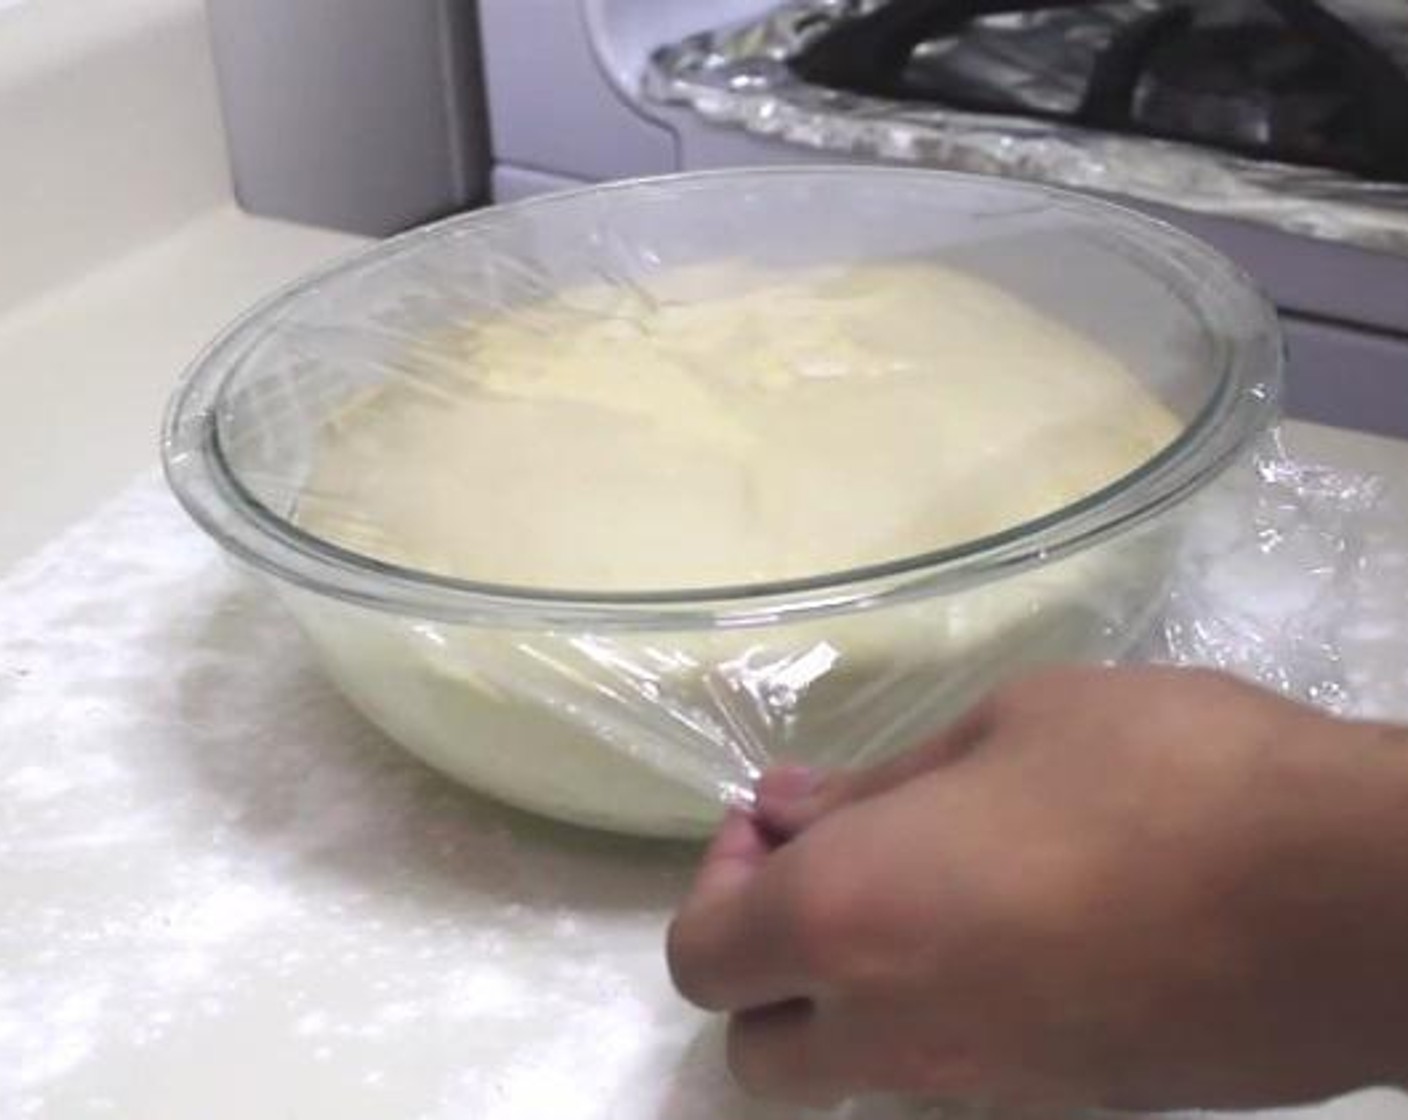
(1287, 80)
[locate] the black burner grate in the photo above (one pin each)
(1284, 80)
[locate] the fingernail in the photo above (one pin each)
(737, 833)
(784, 784)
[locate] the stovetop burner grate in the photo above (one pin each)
(1283, 80)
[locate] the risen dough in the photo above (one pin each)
(724, 426)
(728, 426)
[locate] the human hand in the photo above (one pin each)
(1144, 888)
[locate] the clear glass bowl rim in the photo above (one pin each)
(1241, 409)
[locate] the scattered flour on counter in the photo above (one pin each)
(243, 901)
(226, 896)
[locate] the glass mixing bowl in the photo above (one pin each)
(648, 710)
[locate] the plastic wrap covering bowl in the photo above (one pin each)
(648, 708)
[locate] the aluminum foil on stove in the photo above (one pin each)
(739, 76)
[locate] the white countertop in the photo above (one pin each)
(85, 369)
(226, 896)
(122, 249)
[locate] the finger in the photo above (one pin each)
(733, 856)
(790, 800)
(782, 787)
(726, 948)
(776, 1052)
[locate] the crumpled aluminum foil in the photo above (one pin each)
(739, 76)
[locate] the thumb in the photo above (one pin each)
(790, 799)
(727, 947)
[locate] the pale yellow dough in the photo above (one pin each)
(722, 426)
(725, 426)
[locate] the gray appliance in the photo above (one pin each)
(370, 116)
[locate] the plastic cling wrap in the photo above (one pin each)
(654, 732)
(604, 503)
(1268, 578)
